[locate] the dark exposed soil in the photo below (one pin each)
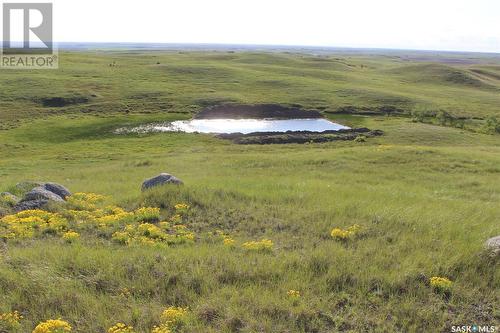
(369, 111)
(258, 111)
(300, 136)
(62, 101)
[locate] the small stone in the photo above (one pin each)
(493, 244)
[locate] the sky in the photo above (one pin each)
(455, 25)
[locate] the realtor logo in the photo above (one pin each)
(27, 36)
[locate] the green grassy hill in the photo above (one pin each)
(122, 82)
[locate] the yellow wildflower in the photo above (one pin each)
(177, 218)
(85, 201)
(174, 316)
(125, 292)
(71, 236)
(182, 206)
(147, 214)
(228, 241)
(121, 328)
(10, 320)
(293, 293)
(53, 326)
(440, 283)
(262, 245)
(345, 234)
(161, 329)
(30, 223)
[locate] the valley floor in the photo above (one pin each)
(425, 199)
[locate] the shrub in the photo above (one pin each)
(360, 138)
(444, 117)
(492, 125)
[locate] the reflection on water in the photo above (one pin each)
(239, 126)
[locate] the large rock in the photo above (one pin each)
(493, 244)
(32, 204)
(161, 179)
(40, 193)
(58, 189)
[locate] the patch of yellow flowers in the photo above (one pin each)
(86, 211)
(150, 234)
(147, 214)
(53, 326)
(172, 318)
(345, 234)
(31, 223)
(262, 245)
(293, 293)
(121, 328)
(161, 329)
(181, 207)
(70, 236)
(228, 241)
(85, 201)
(440, 283)
(10, 321)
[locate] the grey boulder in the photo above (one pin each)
(493, 244)
(33, 204)
(58, 189)
(161, 179)
(40, 193)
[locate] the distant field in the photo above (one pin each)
(104, 82)
(425, 197)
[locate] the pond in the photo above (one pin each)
(244, 126)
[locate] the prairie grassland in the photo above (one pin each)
(105, 82)
(425, 198)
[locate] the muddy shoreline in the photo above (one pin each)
(300, 136)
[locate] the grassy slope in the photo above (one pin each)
(427, 197)
(185, 82)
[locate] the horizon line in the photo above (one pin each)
(291, 46)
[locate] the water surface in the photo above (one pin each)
(244, 126)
